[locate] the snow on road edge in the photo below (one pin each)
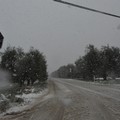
(29, 100)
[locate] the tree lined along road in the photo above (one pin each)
(75, 100)
(96, 63)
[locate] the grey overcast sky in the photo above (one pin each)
(59, 31)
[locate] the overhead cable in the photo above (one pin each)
(86, 8)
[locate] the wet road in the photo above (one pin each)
(75, 100)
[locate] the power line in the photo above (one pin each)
(86, 8)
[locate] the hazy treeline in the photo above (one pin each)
(96, 63)
(25, 68)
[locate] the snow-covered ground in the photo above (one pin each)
(29, 100)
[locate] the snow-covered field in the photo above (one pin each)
(29, 100)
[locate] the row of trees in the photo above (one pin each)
(24, 68)
(67, 71)
(97, 63)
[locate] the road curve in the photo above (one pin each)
(75, 100)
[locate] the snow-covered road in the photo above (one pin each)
(75, 100)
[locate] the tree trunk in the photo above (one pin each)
(28, 82)
(105, 76)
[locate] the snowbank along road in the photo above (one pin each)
(75, 100)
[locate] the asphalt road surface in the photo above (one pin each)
(75, 100)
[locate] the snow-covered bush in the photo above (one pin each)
(19, 100)
(4, 105)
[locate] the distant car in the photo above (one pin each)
(117, 78)
(99, 79)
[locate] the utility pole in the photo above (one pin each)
(86, 8)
